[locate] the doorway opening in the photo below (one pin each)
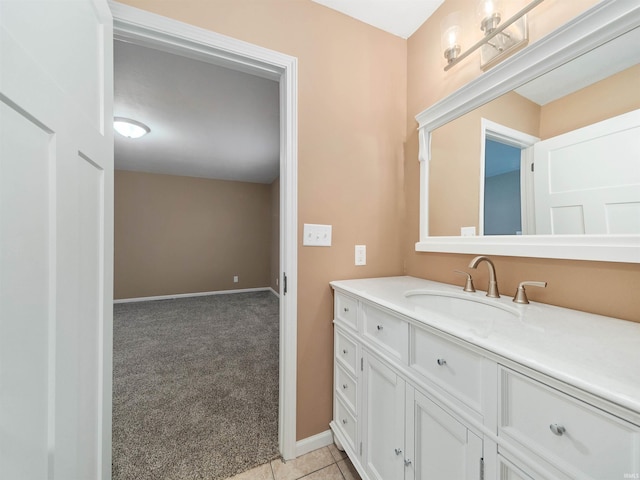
(506, 182)
(502, 197)
(147, 29)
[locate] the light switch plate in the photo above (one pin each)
(468, 231)
(361, 254)
(315, 235)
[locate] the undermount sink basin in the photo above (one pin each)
(463, 306)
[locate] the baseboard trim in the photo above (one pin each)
(274, 292)
(315, 442)
(198, 294)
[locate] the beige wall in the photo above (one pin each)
(598, 287)
(359, 91)
(185, 235)
(351, 121)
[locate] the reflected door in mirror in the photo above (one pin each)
(588, 181)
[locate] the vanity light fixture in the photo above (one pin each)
(500, 38)
(129, 128)
(451, 29)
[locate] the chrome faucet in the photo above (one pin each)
(492, 290)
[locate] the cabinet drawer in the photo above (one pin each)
(346, 387)
(346, 310)
(389, 332)
(346, 352)
(455, 368)
(570, 434)
(346, 422)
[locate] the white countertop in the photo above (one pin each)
(598, 354)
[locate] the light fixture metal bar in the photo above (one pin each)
(497, 31)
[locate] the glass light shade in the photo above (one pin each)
(489, 14)
(129, 128)
(450, 36)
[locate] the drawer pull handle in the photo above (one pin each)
(557, 429)
(344, 351)
(344, 386)
(407, 462)
(379, 327)
(346, 309)
(344, 421)
(398, 451)
(441, 362)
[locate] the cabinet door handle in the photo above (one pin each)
(344, 350)
(344, 385)
(398, 451)
(407, 462)
(557, 429)
(346, 309)
(441, 362)
(379, 327)
(344, 421)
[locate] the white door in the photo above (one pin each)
(56, 208)
(383, 411)
(440, 446)
(588, 181)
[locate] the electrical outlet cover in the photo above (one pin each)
(361, 254)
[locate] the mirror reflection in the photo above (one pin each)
(559, 155)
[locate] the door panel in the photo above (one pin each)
(25, 293)
(66, 40)
(384, 421)
(588, 181)
(56, 216)
(443, 447)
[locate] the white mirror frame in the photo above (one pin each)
(605, 21)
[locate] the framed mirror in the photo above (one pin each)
(507, 105)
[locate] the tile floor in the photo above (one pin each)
(327, 463)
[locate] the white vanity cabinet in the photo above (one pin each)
(440, 445)
(383, 417)
(383, 426)
(569, 437)
(413, 400)
(407, 435)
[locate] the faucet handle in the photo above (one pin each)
(468, 286)
(521, 294)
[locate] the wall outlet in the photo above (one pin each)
(467, 231)
(235, 279)
(361, 254)
(316, 235)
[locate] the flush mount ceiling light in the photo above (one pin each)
(500, 38)
(129, 128)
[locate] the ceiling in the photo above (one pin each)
(205, 120)
(399, 17)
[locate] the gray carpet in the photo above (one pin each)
(195, 387)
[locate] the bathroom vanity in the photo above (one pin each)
(431, 382)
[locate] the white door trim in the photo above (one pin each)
(148, 29)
